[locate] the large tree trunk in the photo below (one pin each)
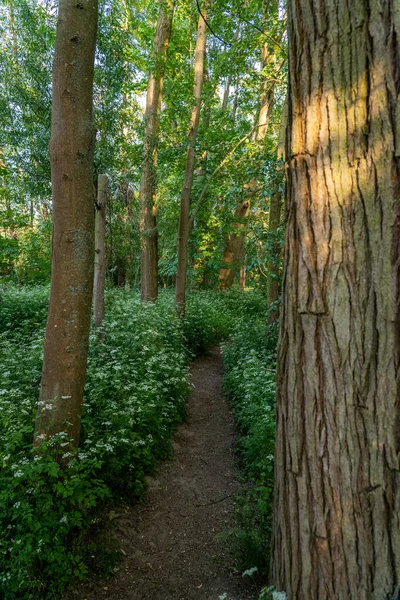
(273, 285)
(71, 151)
(234, 246)
(148, 185)
(100, 259)
(183, 235)
(336, 526)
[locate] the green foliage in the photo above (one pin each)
(211, 316)
(249, 360)
(135, 392)
(22, 309)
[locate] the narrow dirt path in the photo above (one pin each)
(169, 540)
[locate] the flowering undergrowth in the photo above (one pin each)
(249, 381)
(135, 393)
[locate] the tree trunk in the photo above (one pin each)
(336, 526)
(234, 246)
(267, 98)
(227, 88)
(268, 58)
(235, 100)
(183, 235)
(100, 259)
(243, 272)
(71, 152)
(148, 185)
(273, 286)
(228, 81)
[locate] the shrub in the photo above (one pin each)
(249, 361)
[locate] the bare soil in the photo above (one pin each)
(169, 540)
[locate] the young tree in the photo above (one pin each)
(71, 151)
(100, 259)
(183, 234)
(273, 286)
(336, 526)
(148, 224)
(272, 61)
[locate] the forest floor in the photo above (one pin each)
(169, 540)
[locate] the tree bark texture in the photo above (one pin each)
(183, 232)
(336, 525)
(100, 259)
(148, 184)
(273, 286)
(71, 152)
(234, 246)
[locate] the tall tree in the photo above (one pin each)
(183, 233)
(148, 224)
(336, 527)
(71, 151)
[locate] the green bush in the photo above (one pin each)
(23, 309)
(211, 316)
(249, 362)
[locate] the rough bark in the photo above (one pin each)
(273, 285)
(183, 233)
(100, 259)
(234, 246)
(336, 526)
(148, 184)
(71, 152)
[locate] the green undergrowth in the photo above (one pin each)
(249, 381)
(135, 393)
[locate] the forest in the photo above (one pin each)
(200, 299)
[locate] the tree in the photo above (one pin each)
(71, 151)
(336, 527)
(100, 258)
(148, 224)
(234, 246)
(183, 234)
(273, 288)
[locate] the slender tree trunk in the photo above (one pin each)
(273, 286)
(269, 62)
(234, 246)
(235, 100)
(336, 527)
(148, 185)
(227, 88)
(100, 259)
(243, 272)
(267, 97)
(183, 235)
(121, 273)
(71, 152)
